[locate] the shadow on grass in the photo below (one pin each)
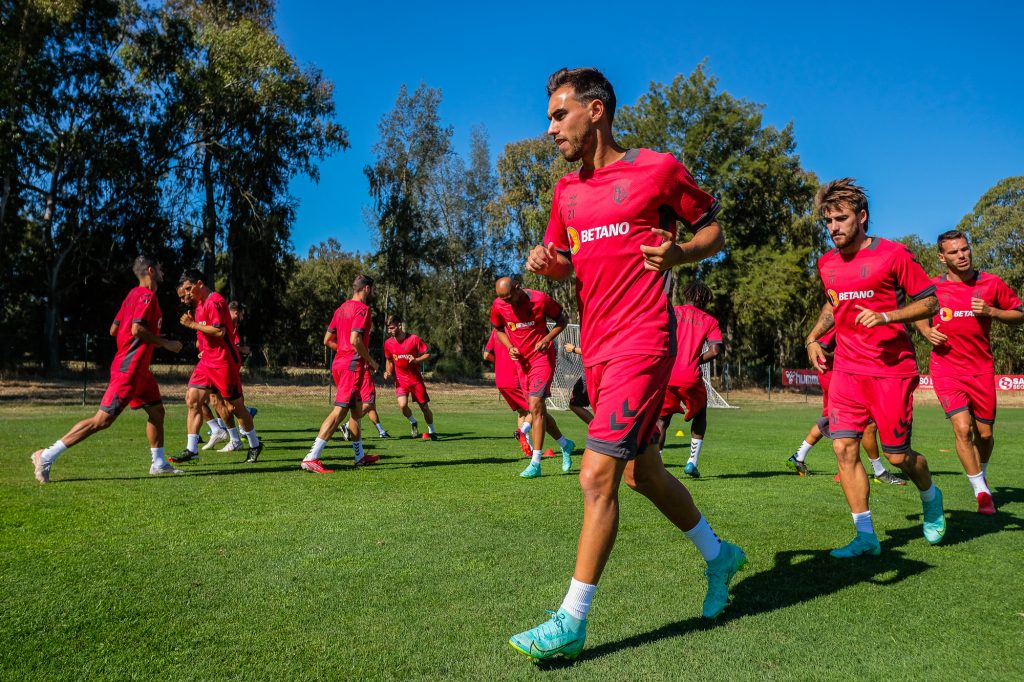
(754, 474)
(965, 526)
(457, 462)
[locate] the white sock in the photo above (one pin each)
(525, 428)
(220, 423)
(695, 446)
(380, 429)
(53, 452)
(158, 456)
(412, 420)
(314, 452)
(193, 443)
(929, 495)
(563, 441)
(978, 484)
(254, 440)
(357, 445)
(862, 522)
(877, 466)
(801, 454)
(577, 599)
(984, 469)
(430, 428)
(708, 544)
(214, 426)
(536, 457)
(234, 435)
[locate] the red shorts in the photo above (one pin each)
(825, 379)
(685, 400)
(974, 393)
(418, 392)
(626, 393)
(224, 380)
(351, 384)
(536, 374)
(130, 390)
(856, 399)
(515, 398)
(367, 389)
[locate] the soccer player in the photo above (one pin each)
(875, 373)
(348, 335)
(520, 319)
(869, 441)
(137, 331)
(238, 313)
(686, 393)
(404, 352)
(368, 392)
(579, 399)
(613, 222)
(961, 365)
(218, 368)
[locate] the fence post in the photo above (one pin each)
(769, 382)
(85, 369)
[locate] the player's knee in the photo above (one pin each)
(594, 484)
(898, 459)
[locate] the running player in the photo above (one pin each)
(961, 366)
(368, 391)
(348, 335)
(613, 222)
(686, 393)
(875, 372)
(137, 330)
(216, 423)
(404, 353)
(238, 313)
(797, 461)
(520, 319)
(218, 368)
(579, 399)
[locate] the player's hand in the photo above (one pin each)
(542, 259)
(542, 345)
(199, 355)
(513, 352)
(569, 348)
(980, 308)
(187, 320)
(663, 257)
(868, 318)
(934, 336)
(816, 356)
(173, 346)
(387, 375)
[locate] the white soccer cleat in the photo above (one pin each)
(165, 468)
(218, 436)
(42, 469)
(232, 446)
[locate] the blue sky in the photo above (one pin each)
(922, 102)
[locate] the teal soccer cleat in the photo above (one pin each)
(691, 470)
(719, 572)
(934, 519)
(862, 543)
(563, 635)
(567, 455)
(531, 471)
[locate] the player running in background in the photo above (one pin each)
(137, 332)
(686, 393)
(216, 422)
(869, 441)
(520, 319)
(875, 373)
(348, 335)
(961, 365)
(239, 313)
(218, 368)
(613, 222)
(404, 352)
(579, 399)
(368, 392)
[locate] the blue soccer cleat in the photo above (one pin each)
(531, 471)
(691, 470)
(567, 455)
(934, 519)
(563, 635)
(719, 572)
(863, 543)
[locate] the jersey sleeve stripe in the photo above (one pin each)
(924, 293)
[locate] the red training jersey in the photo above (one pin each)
(213, 311)
(351, 316)
(879, 277)
(139, 306)
(526, 322)
(969, 348)
(401, 353)
(599, 220)
(505, 374)
(694, 328)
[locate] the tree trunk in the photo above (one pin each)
(209, 222)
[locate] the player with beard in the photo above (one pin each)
(961, 365)
(613, 223)
(875, 373)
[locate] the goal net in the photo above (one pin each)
(569, 368)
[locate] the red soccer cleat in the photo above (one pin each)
(425, 436)
(524, 444)
(836, 479)
(548, 453)
(367, 459)
(314, 466)
(985, 504)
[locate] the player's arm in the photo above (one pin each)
(571, 348)
(142, 333)
(503, 339)
(114, 327)
(188, 321)
(488, 356)
(932, 334)
(389, 366)
(708, 241)
(815, 353)
(356, 339)
(560, 323)
(331, 339)
(1011, 317)
(547, 262)
(920, 309)
(713, 351)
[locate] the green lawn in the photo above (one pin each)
(421, 567)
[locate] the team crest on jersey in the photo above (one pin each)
(833, 297)
(945, 314)
(620, 191)
(574, 240)
(864, 271)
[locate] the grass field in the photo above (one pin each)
(421, 567)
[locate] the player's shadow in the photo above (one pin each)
(314, 429)
(963, 526)
(773, 473)
(461, 435)
(797, 576)
(463, 461)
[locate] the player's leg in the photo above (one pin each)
(579, 400)
(248, 428)
(538, 415)
(43, 459)
(195, 396)
(697, 431)
(336, 417)
(984, 441)
(155, 416)
(797, 461)
(370, 410)
(424, 404)
(355, 430)
(663, 423)
(869, 443)
(215, 422)
(403, 405)
(963, 435)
